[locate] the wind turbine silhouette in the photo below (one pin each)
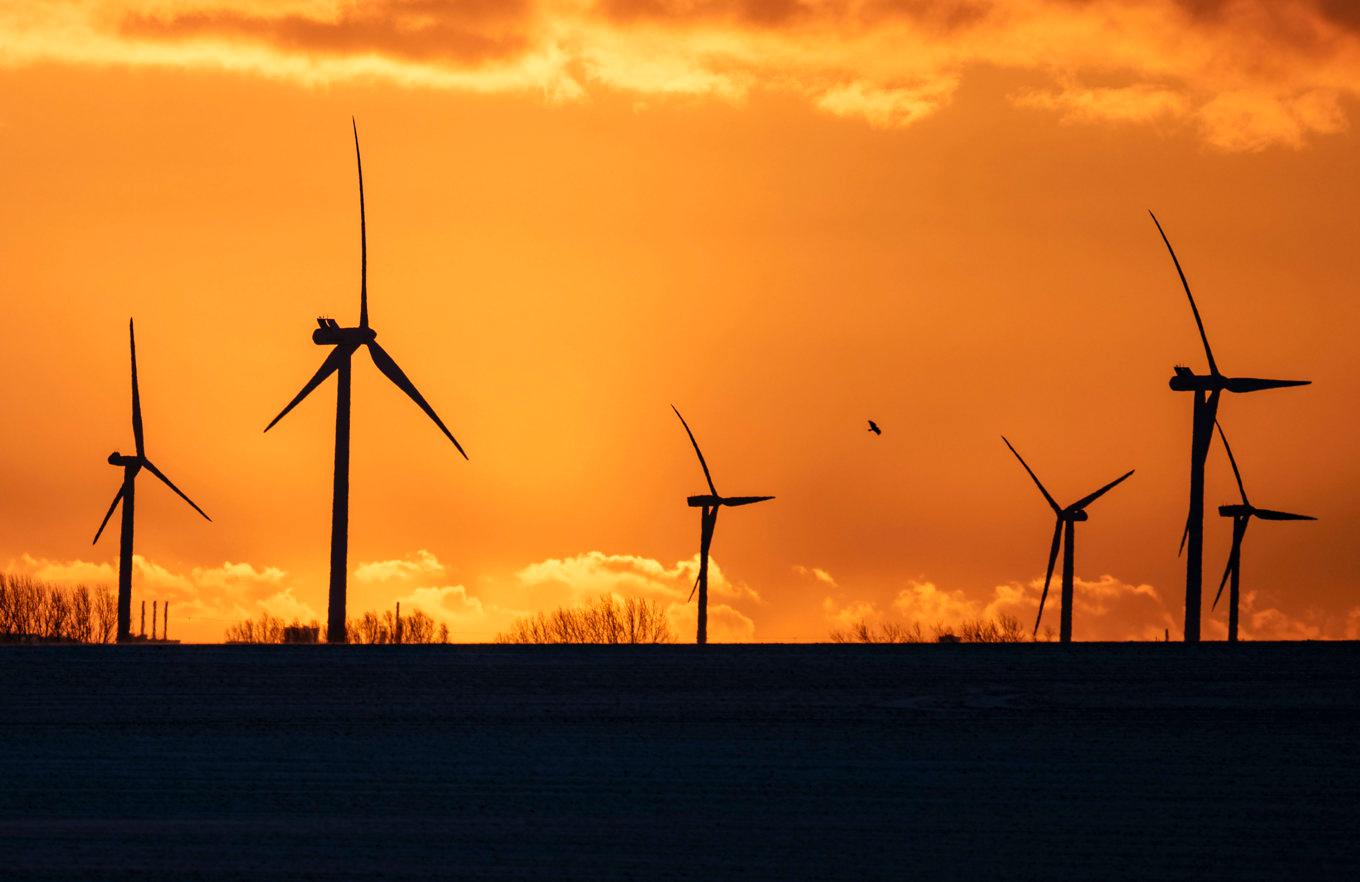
(708, 504)
(346, 341)
(1064, 533)
(1241, 515)
(132, 466)
(1207, 389)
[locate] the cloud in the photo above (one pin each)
(1242, 74)
(817, 573)
(205, 600)
(1103, 609)
(577, 579)
(593, 573)
(469, 619)
(419, 565)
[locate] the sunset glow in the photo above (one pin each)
(785, 218)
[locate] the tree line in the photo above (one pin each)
(370, 628)
(32, 610)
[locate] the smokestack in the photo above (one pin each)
(165, 625)
(141, 629)
(398, 621)
(154, 616)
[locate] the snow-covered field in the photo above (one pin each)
(1095, 761)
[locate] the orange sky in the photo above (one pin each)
(783, 217)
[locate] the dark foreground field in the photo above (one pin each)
(1095, 761)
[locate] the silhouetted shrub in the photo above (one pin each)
(264, 629)
(414, 628)
(1003, 629)
(368, 628)
(864, 631)
(604, 620)
(43, 611)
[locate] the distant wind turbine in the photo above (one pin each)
(708, 505)
(346, 341)
(1241, 515)
(1064, 533)
(131, 466)
(1207, 388)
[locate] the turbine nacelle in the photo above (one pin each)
(329, 333)
(1236, 511)
(1079, 515)
(123, 461)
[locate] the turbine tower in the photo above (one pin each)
(1064, 534)
(1207, 389)
(132, 466)
(345, 342)
(708, 505)
(1241, 515)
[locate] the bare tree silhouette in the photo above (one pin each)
(604, 620)
(34, 610)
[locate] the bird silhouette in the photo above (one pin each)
(873, 427)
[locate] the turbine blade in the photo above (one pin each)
(363, 234)
(1048, 577)
(707, 476)
(328, 367)
(1087, 500)
(1234, 556)
(1185, 534)
(1266, 514)
(1209, 353)
(117, 498)
(402, 382)
(1056, 508)
(137, 434)
(1252, 384)
(708, 521)
(150, 467)
(745, 500)
(1233, 461)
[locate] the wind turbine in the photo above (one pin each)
(131, 466)
(708, 504)
(345, 342)
(1064, 533)
(1241, 515)
(1207, 389)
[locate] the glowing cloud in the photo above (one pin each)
(1244, 74)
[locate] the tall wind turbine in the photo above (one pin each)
(1207, 388)
(1064, 534)
(708, 505)
(131, 466)
(346, 341)
(1241, 515)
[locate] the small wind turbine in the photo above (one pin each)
(1241, 515)
(131, 466)
(1064, 533)
(346, 341)
(1207, 388)
(708, 504)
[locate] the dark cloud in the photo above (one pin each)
(470, 32)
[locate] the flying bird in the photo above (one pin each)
(873, 427)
